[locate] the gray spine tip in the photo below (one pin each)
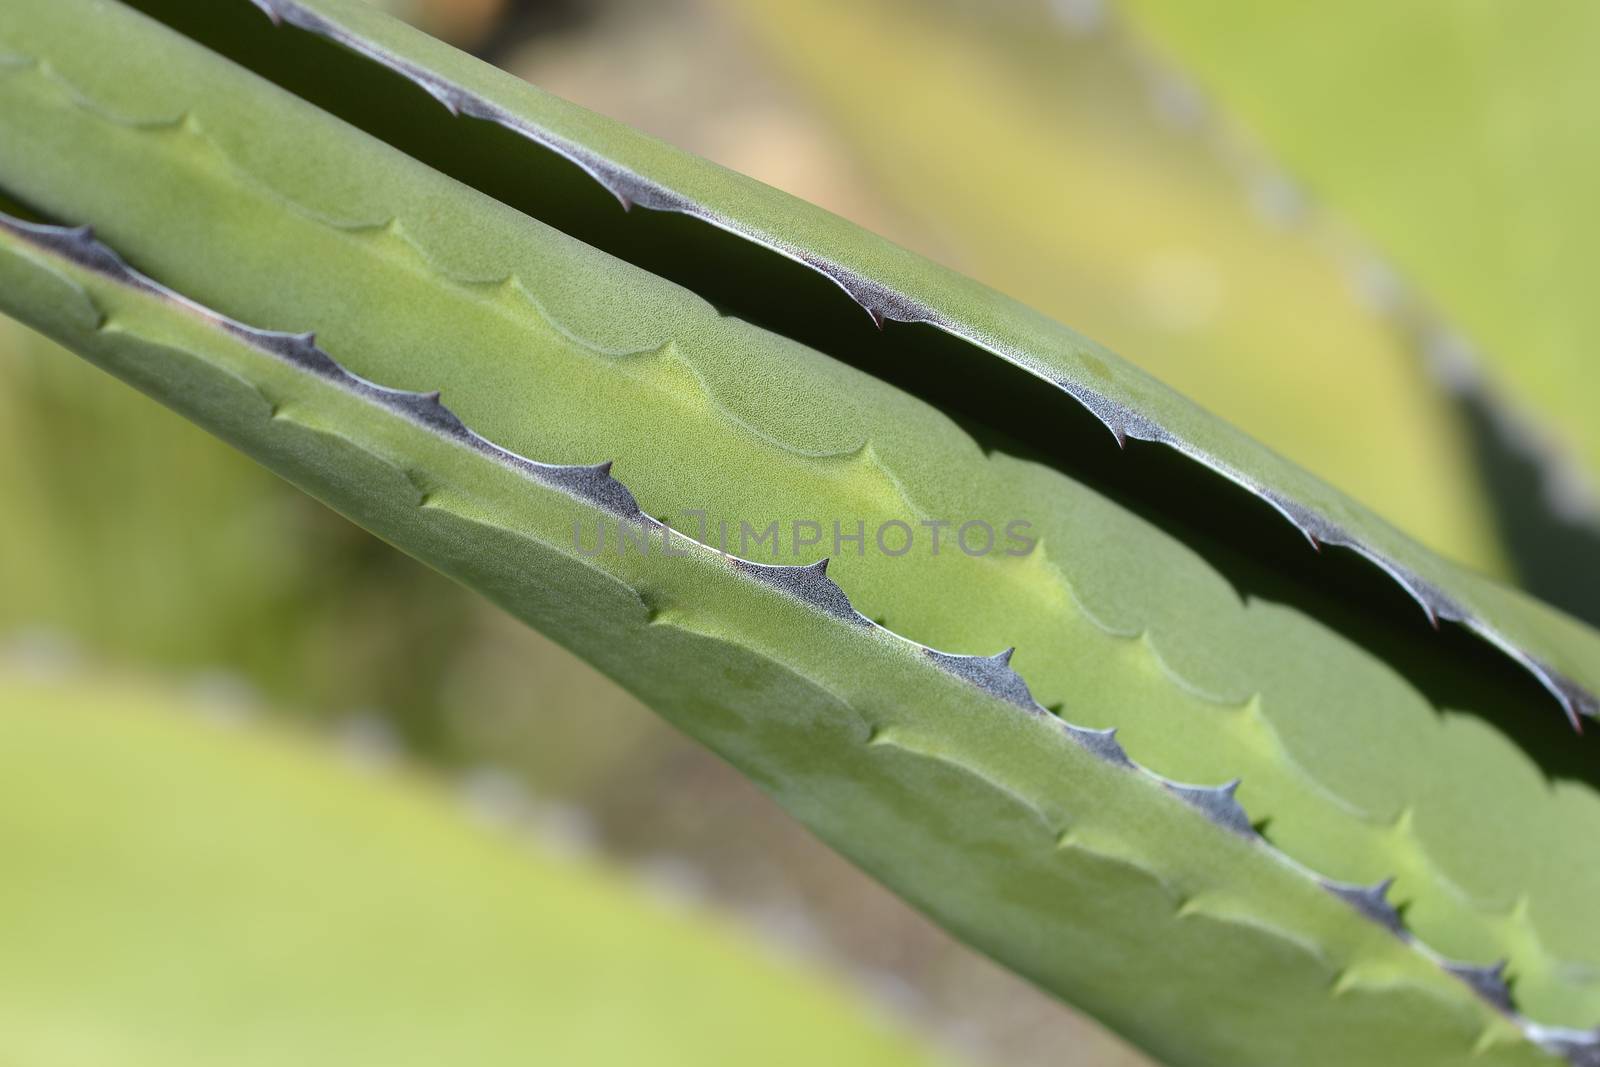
(270, 9)
(1576, 702)
(296, 348)
(1317, 530)
(1100, 743)
(1217, 803)
(1122, 421)
(440, 91)
(1435, 604)
(1371, 901)
(1580, 1048)
(809, 583)
(992, 674)
(591, 483)
(426, 409)
(1488, 982)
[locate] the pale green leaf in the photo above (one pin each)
(1460, 137)
(178, 891)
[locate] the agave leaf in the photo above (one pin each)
(480, 124)
(1110, 871)
(1465, 149)
(179, 892)
(1037, 840)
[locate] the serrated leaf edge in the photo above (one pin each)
(883, 304)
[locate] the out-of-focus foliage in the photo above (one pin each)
(130, 531)
(76, 553)
(176, 892)
(1059, 168)
(1463, 138)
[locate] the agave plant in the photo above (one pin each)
(1151, 716)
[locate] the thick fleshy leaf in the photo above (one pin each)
(732, 240)
(1040, 840)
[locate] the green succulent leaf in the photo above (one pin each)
(353, 59)
(182, 890)
(1318, 829)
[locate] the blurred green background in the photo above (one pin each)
(1125, 168)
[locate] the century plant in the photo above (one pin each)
(1164, 724)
